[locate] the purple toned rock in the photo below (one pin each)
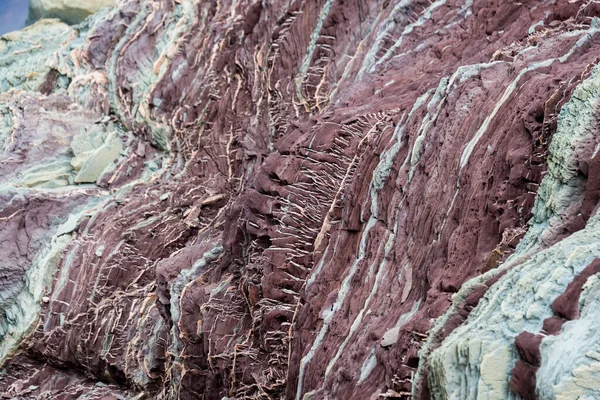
(284, 200)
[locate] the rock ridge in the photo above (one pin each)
(300, 200)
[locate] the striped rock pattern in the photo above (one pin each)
(331, 199)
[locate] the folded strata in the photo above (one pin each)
(301, 200)
(69, 11)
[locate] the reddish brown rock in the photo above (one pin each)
(300, 182)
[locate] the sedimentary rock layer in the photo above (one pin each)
(70, 11)
(302, 200)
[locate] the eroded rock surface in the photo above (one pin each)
(70, 11)
(302, 200)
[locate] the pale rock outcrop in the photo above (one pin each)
(25, 54)
(69, 11)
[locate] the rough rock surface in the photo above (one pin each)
(70, 11)
(302, 200)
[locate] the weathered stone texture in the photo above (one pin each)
(323, 199)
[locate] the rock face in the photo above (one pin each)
(302, 200)
(70, 11)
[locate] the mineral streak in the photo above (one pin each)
(334, 199)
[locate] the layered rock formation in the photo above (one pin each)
(70, 11)
(302, 200)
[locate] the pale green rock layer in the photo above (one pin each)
(571, 361)
(25, 55)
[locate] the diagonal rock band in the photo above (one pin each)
(300, 200)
